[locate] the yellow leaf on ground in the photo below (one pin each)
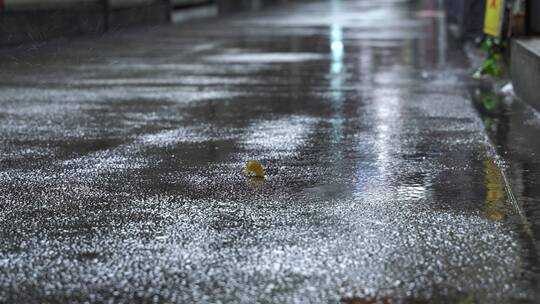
(255, 168)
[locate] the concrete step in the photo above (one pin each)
(525, 69)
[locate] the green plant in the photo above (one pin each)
(492, 64)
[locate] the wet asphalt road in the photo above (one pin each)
(121, 158)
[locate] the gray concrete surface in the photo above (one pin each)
(121, 158)
(525, 69)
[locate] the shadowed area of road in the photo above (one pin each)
(121, 158)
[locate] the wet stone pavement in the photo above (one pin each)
(121, 158)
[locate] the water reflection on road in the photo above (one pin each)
(121, 167)
(513, 127)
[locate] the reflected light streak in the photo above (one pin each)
(336, 71)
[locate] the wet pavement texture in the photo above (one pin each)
(121, 158)
(513, 127)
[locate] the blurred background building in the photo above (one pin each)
(38, 20)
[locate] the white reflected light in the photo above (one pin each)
(336, 71)
(337, 49)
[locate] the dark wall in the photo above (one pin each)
(36, 25)
(76, 19)
(468, 16)
(533, 7)
(156, 13)
(91, 18)
(232, 6)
